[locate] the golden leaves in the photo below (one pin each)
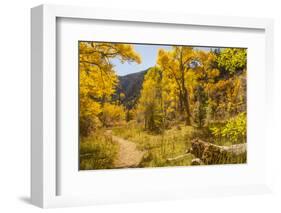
(98, 79)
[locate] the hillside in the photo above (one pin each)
(130, 85)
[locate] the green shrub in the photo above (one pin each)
(234, 131)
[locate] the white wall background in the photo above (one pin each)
(15, 104)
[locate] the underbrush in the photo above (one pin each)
(233, 131)
(159, 148)
(97, 151)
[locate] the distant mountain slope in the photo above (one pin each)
(130, 85)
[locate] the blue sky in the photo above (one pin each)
(148, 54)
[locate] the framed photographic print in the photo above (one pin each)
(130, 106)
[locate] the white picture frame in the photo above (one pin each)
(44, 154)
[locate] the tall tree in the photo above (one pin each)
(150, 104)
(98, 78)
(176, 64)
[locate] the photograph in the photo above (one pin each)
(161, 105)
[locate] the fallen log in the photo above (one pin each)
(177, 158)
(196, 162)
(210, 153)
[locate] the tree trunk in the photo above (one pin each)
(184, 93)
(180, 102)
(186, 107)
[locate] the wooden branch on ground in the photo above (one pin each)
(180, 157)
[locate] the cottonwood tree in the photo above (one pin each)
(150, 104)
(98, 78)
(176, 63)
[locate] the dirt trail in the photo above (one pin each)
(129, 155)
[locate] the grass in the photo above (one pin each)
(97, 151)
(159, 147)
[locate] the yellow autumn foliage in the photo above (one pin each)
(98, 79)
